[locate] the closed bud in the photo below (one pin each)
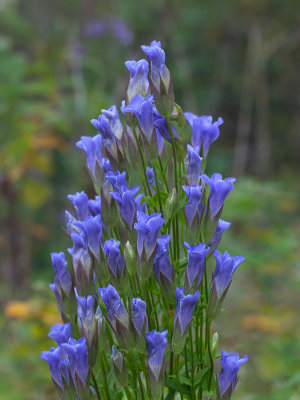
(170, 204)
(119, 366)
(130, 258)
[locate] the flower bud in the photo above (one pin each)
(130, 258)
(139, 323)
(119, 366)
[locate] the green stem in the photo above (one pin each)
(104, 377)
(192, 362)
(127, 393)
(146, 375)
(133, 364)
(95, 385)
(157, 190)
(177, 376)
(163, 175)
(174, 152)
(207, 340)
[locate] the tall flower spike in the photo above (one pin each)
(219, 190)
(117, 314)
(79, 368)
(160, 79)
(225, 267)
(140, 323)
(205, 132)
(156, 347)
(195, 267)
(227, 380)
(148, 227)
(193, 165)
(138, 83)
(183, 317)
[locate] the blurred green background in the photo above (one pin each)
(60, 63)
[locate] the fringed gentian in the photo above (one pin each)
(115, 125)
(63, 285)
(138, 83)
(225, 267)
(193, 165)
(88, 326)
(93, 149)
(148, 227)
(219, 190)
(117, 314)
(151, 179)
(228, 377)
(194, 207)
(183, 317)
(127, 204)
(116, 263)
(117, 180)
(205, 132)
(79, 368)
(119, 366)
(82, 264)
(80, 203)
(216, 239)
(61, 333)
(140, 323)
(195, 267)
(162, 267)
(160, 79)
(156, 347)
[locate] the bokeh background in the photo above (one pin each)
(60, 63)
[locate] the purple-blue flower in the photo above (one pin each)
(196, 264)
(58, 367)
(92, 228)
(159, 71)
(227, 380)
(225, 267)
(216, 239)
(143, 110)
(80, 203)
(78, 363)
(162, 127)
(62, 277)
(115, 124)
(194, 207)
(193, 165)
(115, 260)
(205, 132)
(94, 206)
(127, 204)
(114, 305)
(61, 333)
(138, 83)
(162, 267)
(185, 306)
(148, 227)
(156, 347)
(219, 190)
(151, 178)
(139, 317)
(117, 180)
(93, 149)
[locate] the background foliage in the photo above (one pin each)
(60, 63)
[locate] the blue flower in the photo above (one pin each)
(183, 317)
(78, 363)
(114, 305)
(148, 227)
(82, 263)
(194, 207)
(92, 229)
(117, 180)
(225, 267)
(93, 149)
(193, 165)
(162, 127)
(219, 190)
(162, 268)
(156, 347)
(62, 277)
(143, 110)
(205, 132)
(115, 260)
(61, 333)
(127, 204)
(196, 264)
(222, 226)
(58, 367)
(80, 203)
(138, 83)
(94, 206)
(139, 317)
(151, 178)
(228, 377)
(115, 124)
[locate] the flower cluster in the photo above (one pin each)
(137, 294)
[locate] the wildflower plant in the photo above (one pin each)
(144, 280)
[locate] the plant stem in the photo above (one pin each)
(207, 340)
(158, 191)
(145, 375)
(177, 376)
(104, 376)
(95, 385)
(192, 362)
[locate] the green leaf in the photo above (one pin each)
(174, 385)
